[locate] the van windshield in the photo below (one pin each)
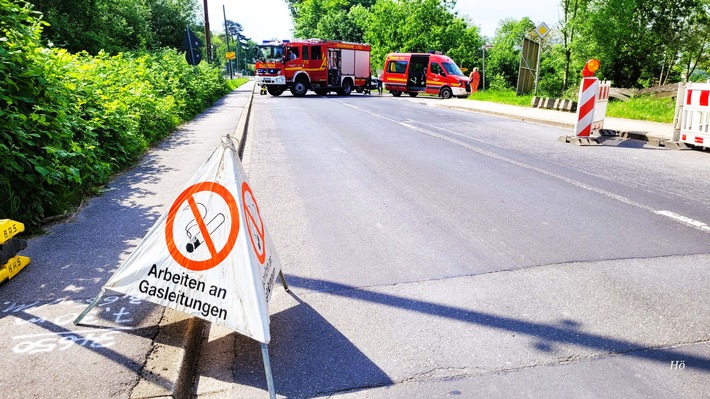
(452, 69)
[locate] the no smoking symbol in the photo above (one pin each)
(255, 225)
(188, 196)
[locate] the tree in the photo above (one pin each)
(115, 25)
(694, 49)
(639, 42)
(234, 29)
(168, 21)
(420, 26)
(574, 12)
(328, 19)
(682, 29)
(503, 61)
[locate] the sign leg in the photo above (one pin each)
(88, 308)
(267, 369)
(283, 280)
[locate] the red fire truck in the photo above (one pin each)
(315, 64)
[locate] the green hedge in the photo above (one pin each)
(69, 122)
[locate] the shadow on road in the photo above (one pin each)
(309, 357)
(566, 332)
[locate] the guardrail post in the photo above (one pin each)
(678, 115)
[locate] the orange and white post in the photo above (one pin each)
(588, 94)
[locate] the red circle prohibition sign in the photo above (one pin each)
(216, 256)
(251, 222)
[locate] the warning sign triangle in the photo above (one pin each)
(210, 254)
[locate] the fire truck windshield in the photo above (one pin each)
(270, 53)
(452, 69)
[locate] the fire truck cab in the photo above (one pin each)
(432, 73)
(315, 64)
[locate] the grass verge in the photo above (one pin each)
(643, 108)
(640, 108)
(234, 83)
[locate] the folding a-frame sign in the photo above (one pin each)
(209, 255)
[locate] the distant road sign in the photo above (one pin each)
(231, 55)
(542, 30)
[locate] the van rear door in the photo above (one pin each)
(416, 79)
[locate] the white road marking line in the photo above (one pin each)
(409, 126)
(685, 220)
(673, 216)
(78, 332)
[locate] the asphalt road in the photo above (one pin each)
(431, 253)
(435, 252)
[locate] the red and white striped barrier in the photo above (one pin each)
(585, 108)
(591, 111)
(600, 106)
(695, 121)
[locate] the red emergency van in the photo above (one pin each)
(432, 73)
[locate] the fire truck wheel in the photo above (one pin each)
(347, 88)
(396, 93)
(274, 91)
(445, 93)
(299, 88)
(413, 94)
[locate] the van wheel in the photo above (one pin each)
(446, 93)
(347, 88)
(413, 94)
(396, 93)
(299, 88)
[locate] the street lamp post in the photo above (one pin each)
(208, 41)
(483, 73)
(226, 38)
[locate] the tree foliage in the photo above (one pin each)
(503, 61)
(115, 25)
(641, 42)
(71, 121)
(390, 26)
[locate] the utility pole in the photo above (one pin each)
(226, 37)
(208, 41)
(483, 73)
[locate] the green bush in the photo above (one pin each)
(71, 121)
